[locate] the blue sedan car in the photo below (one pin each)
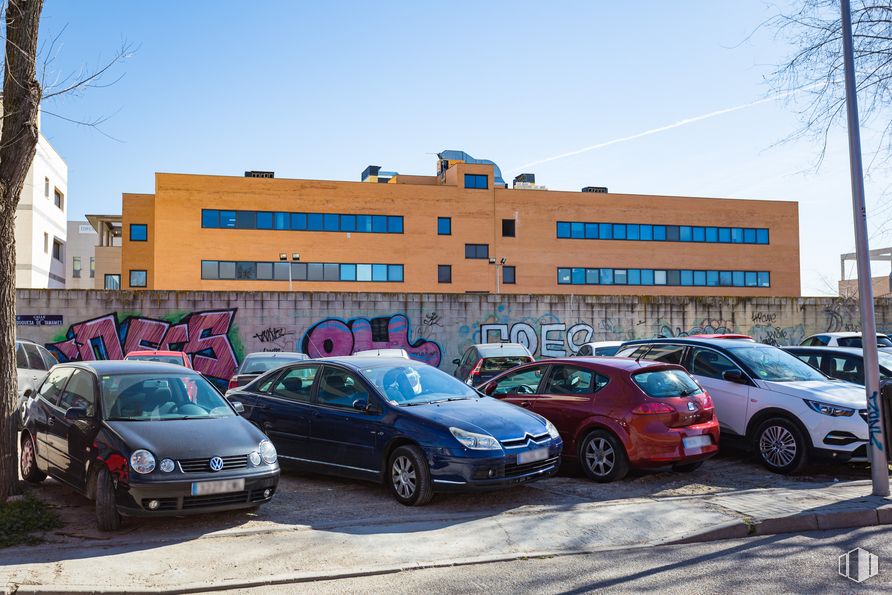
(400, 422)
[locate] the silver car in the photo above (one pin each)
(32, 363)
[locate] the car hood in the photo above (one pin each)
(827, 391)
(501, 420)
(190, 438)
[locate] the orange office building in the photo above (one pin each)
(462, 230)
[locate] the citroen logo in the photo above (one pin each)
(216, 464)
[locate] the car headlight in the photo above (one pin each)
(828, 409)
(475, 441)
(142, 461)
(552, 431)
(167, 465)
(268, 452)
(255, 459)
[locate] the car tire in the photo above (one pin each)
(409, 477)
(603, 457)
(687, 467)
(781, 446)
(107, 516)
(28, 461)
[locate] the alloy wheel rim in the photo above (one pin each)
(403, 476)
(27, 457)
(600, 457)
(777, 446)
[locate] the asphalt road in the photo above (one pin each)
(805, 563)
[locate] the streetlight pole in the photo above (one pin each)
(878, 465)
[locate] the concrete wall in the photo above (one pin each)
(218, 328)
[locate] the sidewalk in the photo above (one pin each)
(278, 553)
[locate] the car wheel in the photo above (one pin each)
(409, 477)
(781, 446)
(687, 467)
(603, 457)
(107, 516)
(28, 462)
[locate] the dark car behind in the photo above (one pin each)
(485, 361)
(258, 363)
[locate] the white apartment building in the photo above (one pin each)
(41, 218)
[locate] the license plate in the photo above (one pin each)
(203, 488)
(531, 456)
(697, 441)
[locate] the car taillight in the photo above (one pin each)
(476, 370)
(651, 408)
(233, 382)
(705, 401)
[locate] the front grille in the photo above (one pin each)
(214, 500)
(517, 442)
(860, 452)
(203, 465)
(513, 469)
(163, 504)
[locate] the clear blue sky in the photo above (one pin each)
(322, 89)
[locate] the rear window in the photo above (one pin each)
(260, 363)
(500, 364)
(666, 383)
(164, 359)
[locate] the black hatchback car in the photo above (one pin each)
(145, 439)
(400, 422)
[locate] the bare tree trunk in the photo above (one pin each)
(18, 142)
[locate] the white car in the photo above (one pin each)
(847, 339)
(382, 353)
(598, 348)
(786, 410)
(32, 362)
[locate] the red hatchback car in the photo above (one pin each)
(616, 413)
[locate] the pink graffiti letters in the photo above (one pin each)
(204, 336)
(334, 336)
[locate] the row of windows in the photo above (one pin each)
(212, 218)
(661, 233)
(444, 274)
(602, 276)
(301, 271)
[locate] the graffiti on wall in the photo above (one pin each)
(204, 336)
(336, 336)
(275, 338)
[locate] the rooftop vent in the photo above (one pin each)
(598, 189)
(260, 174)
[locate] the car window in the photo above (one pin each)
(35, 362)
(296, 383)
(845, 367)
(775, 365)
(21, 360)
(48, 358)
(164, 359)
(339, 388)
(523, 382)
(570, 380)
(633, 351)
(607, 350)
(161, 397)
(811, 359)
(466, 358)
(709, 363)
(667, 354)
(504, 363)
(79, 392)
(667, 383)
(585, 350)
(258, 364)
(53, 385)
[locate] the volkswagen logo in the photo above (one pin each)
(216, 464)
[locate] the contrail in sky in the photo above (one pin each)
(678, 124)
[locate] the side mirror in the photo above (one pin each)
(735, 376)
(456, 361)
(28, 392)
(238, 406)
(364, 406)
(487, 388)
(76, 413)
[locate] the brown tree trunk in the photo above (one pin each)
(18, 142)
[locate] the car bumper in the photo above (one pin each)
(667, 446)
(454, 472)
(837, 438)
(175, 498)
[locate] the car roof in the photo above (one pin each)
(825, 349)
(721, 336)
(492, 349)
(721, 343)
(292, 354)
(622, 363)
(842, 334)
(603, 343)
(119, 366)
(155, 352)
(358, 362)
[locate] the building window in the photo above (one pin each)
(92, 267)
(509, 227)
(444, 226)
(301, 271)
(509, 276)
(113, 282)
(579, 230)
(332, 222)
(139, 232)
(58, 251)
(76, 267)
(477, 251)
(670, 277)
(58, 199)
(476, 181)
(137, 278)
(46, 187)
(444, 273)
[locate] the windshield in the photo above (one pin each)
(258, 364)
(165, 359)
(417, 383)
(882, 341)
(500, 364)
(155, 397)
(775, 365)
(667, 383)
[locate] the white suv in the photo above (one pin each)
(785, 409)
